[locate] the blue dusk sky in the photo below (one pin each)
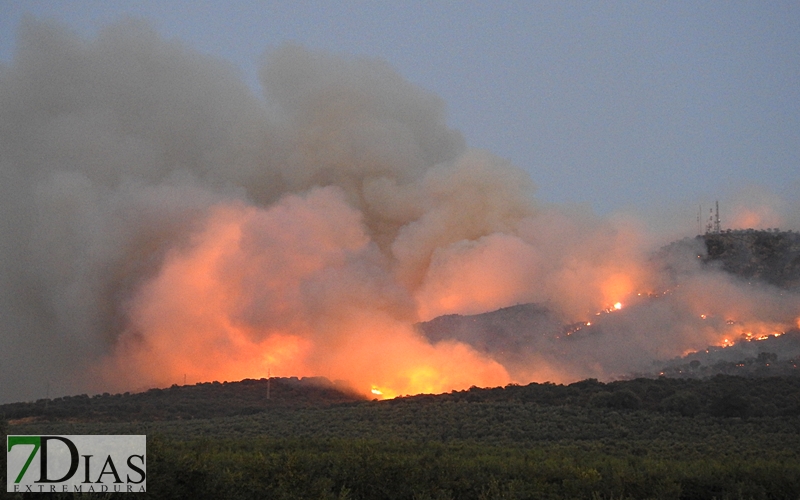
(619, 106)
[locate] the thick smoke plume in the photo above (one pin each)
(161, 223)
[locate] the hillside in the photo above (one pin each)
(516, 335)
(203, 400)
(721, 396)
(767, 256)
(509, 334)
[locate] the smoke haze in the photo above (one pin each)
(161, 221)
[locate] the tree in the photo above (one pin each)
(684, 403)
(624, 399)
(730, 405)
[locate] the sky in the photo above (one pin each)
(620, 106)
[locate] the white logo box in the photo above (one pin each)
(80, 464)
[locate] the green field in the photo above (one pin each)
(724, 438)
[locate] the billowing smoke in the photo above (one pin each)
(161, 223)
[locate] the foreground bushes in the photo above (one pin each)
(261, 468)
(359, 469)
(723, 439)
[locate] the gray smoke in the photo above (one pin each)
(160, 221)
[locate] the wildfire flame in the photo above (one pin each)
(749, 331)
(227, 296)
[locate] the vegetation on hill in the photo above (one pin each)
(720, 396)
(769, 256)
(203, 400)
(514, 335)
(745, 359)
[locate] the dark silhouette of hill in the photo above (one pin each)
(509, 334)
(719, 396)
(767, 256)
(203, 400)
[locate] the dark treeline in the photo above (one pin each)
(203, 400)
(720, 396)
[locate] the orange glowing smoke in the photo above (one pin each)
(474, 277)
(617, 286)
(761, 217)
(294, 289)
(301, 289)
(756, 208)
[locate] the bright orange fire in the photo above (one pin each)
(255, 291)
(299, 289)
(616, 286)
(749, 331)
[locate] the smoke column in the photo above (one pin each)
(161, 221)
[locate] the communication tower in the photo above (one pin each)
(714, 224)
(699, 213)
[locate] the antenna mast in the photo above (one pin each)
(699, 213)
(714, 225)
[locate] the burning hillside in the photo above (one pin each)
(739, 336)
(163, 224)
